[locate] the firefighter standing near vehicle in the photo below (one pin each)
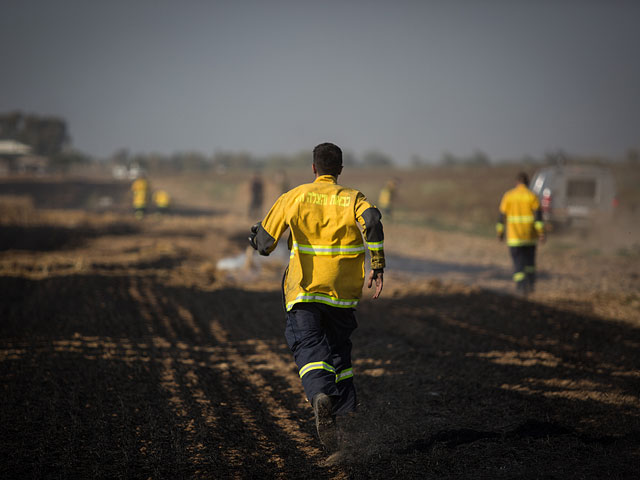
(520, 212)
(324, 280)
(140, 191)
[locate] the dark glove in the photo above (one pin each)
(252, 237)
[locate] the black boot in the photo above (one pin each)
(325, 421)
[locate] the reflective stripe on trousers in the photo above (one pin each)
(342, 375)
(316, 366)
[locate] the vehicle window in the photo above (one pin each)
(538, 181)
(581, 188)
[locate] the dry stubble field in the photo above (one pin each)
(125, 352)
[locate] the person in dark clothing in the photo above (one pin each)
(257, 196)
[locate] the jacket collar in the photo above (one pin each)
(325, 179)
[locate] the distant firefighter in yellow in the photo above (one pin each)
(387, 197)
(140, 191)
(162, 200)
(521, 220)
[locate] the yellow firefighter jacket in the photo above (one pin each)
(140, 189)
(326, 263)
(520, 209)
(161, 198)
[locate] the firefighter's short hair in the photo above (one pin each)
(327, 158)
(523, 178)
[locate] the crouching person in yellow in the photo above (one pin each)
(520, 210)
(324, 280)
(162, 200)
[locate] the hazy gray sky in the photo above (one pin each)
(405, 77)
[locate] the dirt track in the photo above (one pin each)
(125, 353)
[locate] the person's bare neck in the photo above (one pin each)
(317, 174)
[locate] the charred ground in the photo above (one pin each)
(125, 353)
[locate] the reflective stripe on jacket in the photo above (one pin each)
(326, 264)
(520, 210)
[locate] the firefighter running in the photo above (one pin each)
(520, 211)
(324, 280)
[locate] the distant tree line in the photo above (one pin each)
(46, 135)
(226, 160)
(478, 158)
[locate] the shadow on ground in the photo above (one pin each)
(43, 238)
(425, 267)
(67, 193)
(186, 211)
(123, 376)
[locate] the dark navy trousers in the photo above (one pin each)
(524, 266)
(319, 337)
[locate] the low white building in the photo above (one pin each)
(17, 157)
(11, 148)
